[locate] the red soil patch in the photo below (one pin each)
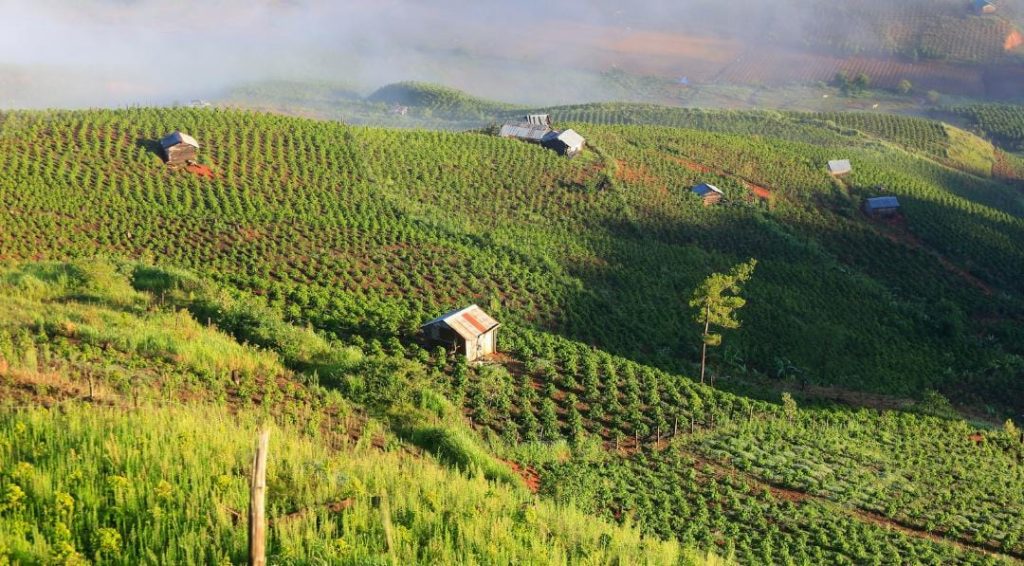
(530, 476)
(759, 191)
(1013, 41)
(977, 438)
(632, 174)
(1005, 169)
(200, 171)
(691, 165)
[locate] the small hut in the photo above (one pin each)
(710, 194)
(567, 143)
(179, 148)
(982, 7)
(839, 167)
(881, 206)
(538, 119)
(469, 331)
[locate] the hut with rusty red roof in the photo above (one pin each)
(469, 331)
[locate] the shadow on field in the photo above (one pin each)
(151, 146)
(848, 306)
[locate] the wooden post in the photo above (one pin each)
(257, 508)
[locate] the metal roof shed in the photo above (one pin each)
(470, 331)
(710, 194)
(839, 167)
(538, 119)
(526, 132)
(566, 143)
(175, 138)
(179, 148)
(881, 206)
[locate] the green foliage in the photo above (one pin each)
(1003, 123)
(789, 407)
(717, 299)
(345, 230)
(440, 100)
(939, 475)
(168, 485)
(835, 457)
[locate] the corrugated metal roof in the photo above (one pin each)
(470, 322)
(529, 132)
(840, 166)
(876, 203)
(538, 119)
(571, 139)
(175, 138)
(704, 188)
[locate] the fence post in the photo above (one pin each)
(257, 508)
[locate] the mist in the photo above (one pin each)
(109, 53)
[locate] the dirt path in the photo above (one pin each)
(757, 190)
(780, 492)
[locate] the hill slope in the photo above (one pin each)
(370, 232)
(126, 428)
(142, 397)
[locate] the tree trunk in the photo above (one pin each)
(257, 502)
(704, 346)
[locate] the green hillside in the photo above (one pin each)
(371, 232)
(1004, 123)
(128, 423)
(287, 283)
(126, 432)
(442, 101)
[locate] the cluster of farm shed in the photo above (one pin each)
(471, 332)
(536, 128)
(875, 206)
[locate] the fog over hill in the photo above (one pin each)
(118, 52)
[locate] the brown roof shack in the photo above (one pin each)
(179, 148)
(469, 331)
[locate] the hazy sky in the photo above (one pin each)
(118, 52)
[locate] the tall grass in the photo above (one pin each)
(168, 485)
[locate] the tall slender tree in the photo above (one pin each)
(715, 303)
